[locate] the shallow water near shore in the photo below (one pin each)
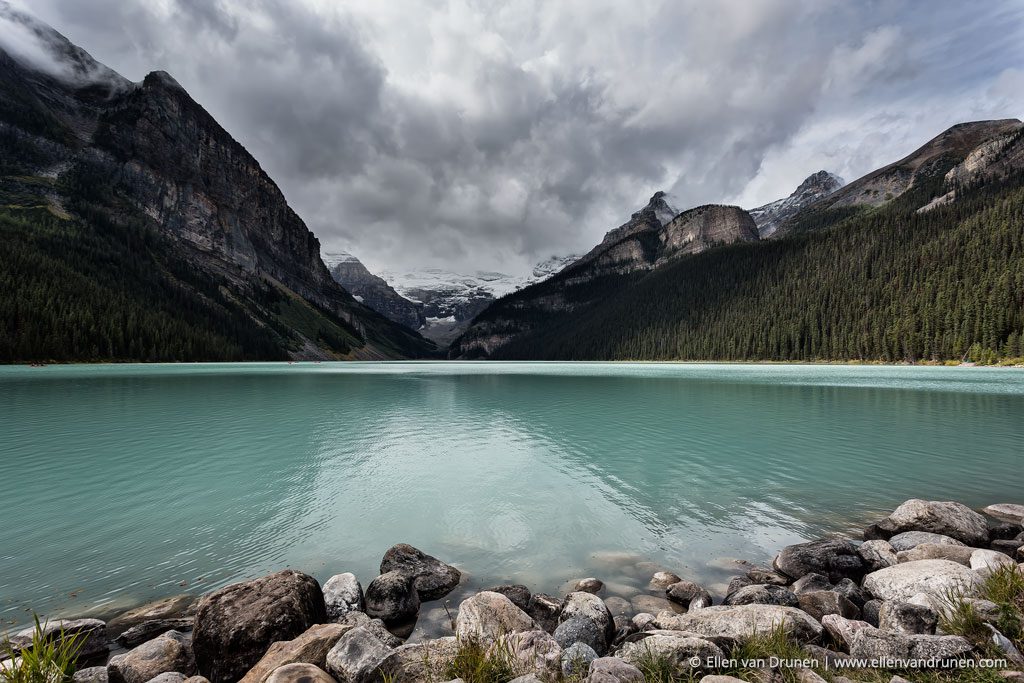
(122, 483)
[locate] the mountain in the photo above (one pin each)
(816, 186)
(858, 274)
(374, 291)
(139, 229)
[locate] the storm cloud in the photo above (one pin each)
(489, 134)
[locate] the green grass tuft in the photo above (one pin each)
(47, 660)
(476, 663)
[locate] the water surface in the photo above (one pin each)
(128, 482)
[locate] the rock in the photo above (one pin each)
(935, 577)
(376, 626)
(736, 583)
(589, 585)
(169, 677)
(763, 594)
(903, 617)
(652, 603)
(197, 679)
(433, 578)
(873, 643)
(642, 620)
(879, 531)
(517, 593)
(662, 580)
(170, 652)
(528, 678)
(911, 539)
(92, 634)
(767, 576)
(960, 554)
(742, 621)
(174, 607)
(310, 647)
(1009, 512)
(718, 678)
(343, 594)
(941, 517)
(851, 591)
(148, 630)
(877, 554)
(826, 657)
(1002, 531)
(1005, 645)
(820, 603)
(619, 606)
(576, 659)
(235, 625)
(426, 661)
(392, 597)
(679, 650)
(580, 630)
(535, 651)
(486, 617)
(613, 670)
(843, 630)
(300, 673)
(810, 583)
(356, 656)
(92, 674)
(834, 558)
(1009, 547)
(544, 609)
(870, 611)
(989, 559)
(592, 608)
(685, 592)
(624, 627)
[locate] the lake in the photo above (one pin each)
(122, 483)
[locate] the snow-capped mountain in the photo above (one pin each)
(771, 216)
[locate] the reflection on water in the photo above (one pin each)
(124, 483)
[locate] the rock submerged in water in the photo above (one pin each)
(433, 578)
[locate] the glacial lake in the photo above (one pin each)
(122, 483)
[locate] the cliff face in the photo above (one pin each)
(816, 186)
(374, 291)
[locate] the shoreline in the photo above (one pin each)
(1013, 363)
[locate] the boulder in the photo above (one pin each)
(613, 670)
(767, 576)
(680, 650)
(310, 647)
(170, 652)
(1005, 645)
(685, 592)
(544, 609)
(911, 539)
(736, 583)
(589, 585)
(1009, 547)
(517, 593)
(197, 679)
(235, 625)
(810, 583)
(935, 577)
(719, 678)
(433, 578)
(870, 611)
(343, 594)
(528, 678)
(834, 558)
(763, 594)
(148, 630)
(742, 621)
(843, 630)
(169, 677)
(652, 603)
(618, 606)
(904, 617)
(174, 607)
(92, 674)
(376, 626)
(624, 627)
(580, 630)
(1002, 531)
(662, 580)
(877, 554)
(851, 591)
(356, 656)
(392, 597)
(91, 633)
(879, 531)
(989, 559)
(426, 661)
(642, 620)
(486, 617)
(820, 603)
(873, 643)
(960, 554)
(576, 659)
(300, 673)
(941, 517)
(1009, 512)
(580, 605)
(535, 651)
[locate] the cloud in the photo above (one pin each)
(489, 134)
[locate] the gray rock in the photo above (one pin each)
(960, 554)
(904, 617)
(174, 607)
(763, 594)
(843, 630)
(742, 621)
(911, 539)
(851, 591)
(873, 643)
(989, 559)
(197, 679)
(829, 658)
(881, 530)
(613, 670)
(517, 593)
(148, 630)
(662, 580)
(535, 651)
(833, 558)
(1010, 512)
(580, 630)
(589, 585)
(170, 652)
(544, 609)
(169, 677)
(618, 606)
(392, 597)
(998, 531)
(736, 583)
(580, 605)
(652, 604)
(235, 625)
(343, 594)
(810, 583)
(376, 626)
(92, 674)
(763, 575)
(934, 577)
(310, 647)
(528, 678)
(355, 658)
(92, 634)
(680, 650)
(426, 661)
(877, 554)
(433, 578)
(624, 627)
(487, 616)
(941, 517)
(685, 592)
(1005, 645)
(576, 659)
(718, 678)
(870, 611)
(300, 673)
(642, 620)
(1009, 547)
(820, 603)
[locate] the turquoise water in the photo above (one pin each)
(124, 483)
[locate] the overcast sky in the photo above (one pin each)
(492, 134)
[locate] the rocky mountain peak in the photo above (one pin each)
(772, 215)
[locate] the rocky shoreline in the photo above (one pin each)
(843, 604)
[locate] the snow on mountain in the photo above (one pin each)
(771, 216)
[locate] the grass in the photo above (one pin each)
(1003, 586)
(47, 660)
(477, 663)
